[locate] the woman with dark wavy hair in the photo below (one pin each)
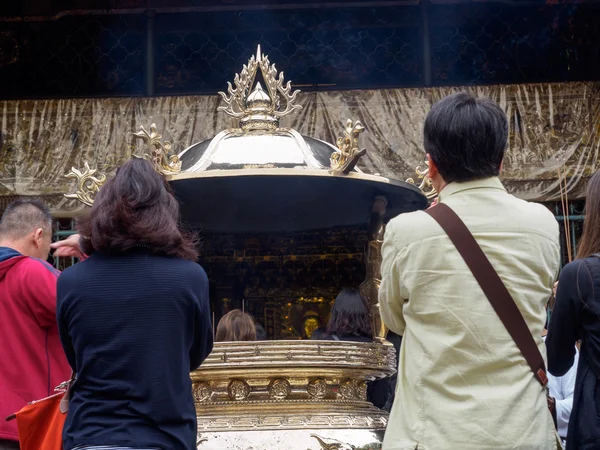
(134, 319)
(349, 319)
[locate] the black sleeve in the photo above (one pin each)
(379, 391)
(63, 329)
(203, 335)
(563, 330)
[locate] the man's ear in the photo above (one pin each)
(433, 170)
(38, 235)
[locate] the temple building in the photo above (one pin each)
(81, 76)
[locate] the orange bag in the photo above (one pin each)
(41, 422)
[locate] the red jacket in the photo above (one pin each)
(32, 361)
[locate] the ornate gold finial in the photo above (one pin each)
(257, 109)
(159, 153)
(88, 184)
(348, 153)
(426, 185)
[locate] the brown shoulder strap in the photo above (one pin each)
(492, 286)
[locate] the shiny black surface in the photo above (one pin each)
(274, 203)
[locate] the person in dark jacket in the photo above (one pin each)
(134, 319)
(396, 341)
(576, 316)
(350, 321)
(320, 334)
(261, 333)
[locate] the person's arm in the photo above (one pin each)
(565, 320)
(390, 298)
(39, 290)
(69, 247)
(203, 337)
(564, 405)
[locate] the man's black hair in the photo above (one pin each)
(466, 137)
(23, 216)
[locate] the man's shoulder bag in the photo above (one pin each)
(494, 289)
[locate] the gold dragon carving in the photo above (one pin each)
(89, 181)
(159, 152)
(345, 158)
(88, 184)
(426, 185)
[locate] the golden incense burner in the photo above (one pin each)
(290, 395)
(260, 177)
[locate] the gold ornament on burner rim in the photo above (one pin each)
(426, 185)
(348, 153)
(88, 184)
(159, 152)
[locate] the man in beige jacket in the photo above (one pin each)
(462, 381)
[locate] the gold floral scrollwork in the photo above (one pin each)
(361, 390)
(426, 186)
(279, 389)
(346, 157)
(202, 392)
(88, 184)
(347, 391)
(317, 388)
(238, 390)
(159, 152)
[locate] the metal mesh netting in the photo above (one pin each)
(495, 43)
(73, 56)
(341, 48)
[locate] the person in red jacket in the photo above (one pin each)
(32, 361)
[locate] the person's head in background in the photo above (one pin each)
(590, 238)
(465, 138)
(26, 226)
(320, 334)
(261, 333)
(236, 326)
(349, 316)
(136, 210)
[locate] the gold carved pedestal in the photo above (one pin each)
(290, 395)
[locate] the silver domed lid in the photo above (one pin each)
(258, 142)
(260, 177)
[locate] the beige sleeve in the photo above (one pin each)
(390, 298)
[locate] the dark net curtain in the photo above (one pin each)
(494, 43)
(319, 48)
(341, 48)
(73, 57)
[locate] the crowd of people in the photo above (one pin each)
(131, 319)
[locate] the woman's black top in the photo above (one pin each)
(133, 327)
(379, 392)
(576, 316)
